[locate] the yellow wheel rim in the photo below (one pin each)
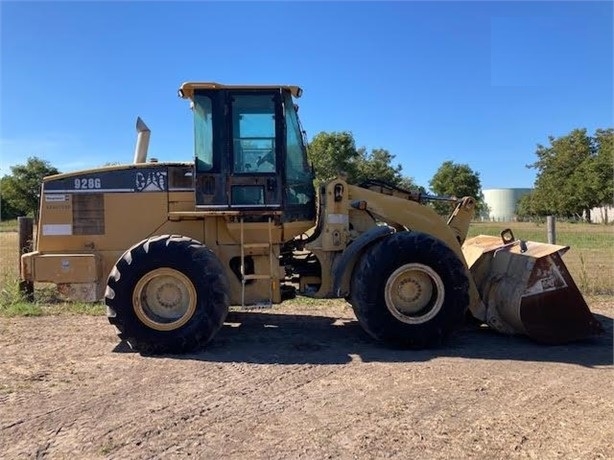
(414, 293)
(164, 299)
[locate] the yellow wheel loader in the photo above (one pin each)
(170, 246)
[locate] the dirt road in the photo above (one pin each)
(301, 382)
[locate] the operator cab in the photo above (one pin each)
(249, 150)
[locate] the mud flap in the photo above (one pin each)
(528, 290)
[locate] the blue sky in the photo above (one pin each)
(478, 83)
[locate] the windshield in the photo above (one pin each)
(298, 174)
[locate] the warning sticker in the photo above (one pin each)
(55, 197)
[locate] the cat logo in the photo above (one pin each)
(151, 181)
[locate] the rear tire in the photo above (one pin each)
(410, 290)
(167, 294)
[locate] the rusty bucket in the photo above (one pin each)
(526, 288)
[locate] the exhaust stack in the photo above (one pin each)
(142, 141)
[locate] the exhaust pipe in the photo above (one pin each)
(142, 141)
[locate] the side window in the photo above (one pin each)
(203, 133)
(253, 134)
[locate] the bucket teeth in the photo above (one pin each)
(528, 290)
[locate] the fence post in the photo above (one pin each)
(25, 245)
(550, 222)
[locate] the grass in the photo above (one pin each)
(24, 308)
(590, 262)
(12, 302)
(9, 256)
(8, 225)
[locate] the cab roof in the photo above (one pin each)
(186, 90)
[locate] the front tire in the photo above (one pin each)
(167, 294)
(410, 290)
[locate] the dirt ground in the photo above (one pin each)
(302, 382)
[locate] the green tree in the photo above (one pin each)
(574, 174)
(7, 211)
(331, 153)
(527, 207)
(20, 190)
(603, 167)
(377, 165)
(459, 180)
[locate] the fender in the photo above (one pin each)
(344, 265)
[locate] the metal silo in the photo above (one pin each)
(502, 202)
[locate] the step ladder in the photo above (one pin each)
(258, 276)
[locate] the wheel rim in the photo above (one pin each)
(414, 293)
(164, 299)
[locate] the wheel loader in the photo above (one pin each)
(170, 246)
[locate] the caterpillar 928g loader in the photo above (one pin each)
(170, 246)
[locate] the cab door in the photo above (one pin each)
(255, 149)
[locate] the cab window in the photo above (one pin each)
(253, 134)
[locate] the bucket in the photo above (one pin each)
(527, 289)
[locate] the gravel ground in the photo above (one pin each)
(302, 382)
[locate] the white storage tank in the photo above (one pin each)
(502, 202)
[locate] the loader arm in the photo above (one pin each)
(417, 217)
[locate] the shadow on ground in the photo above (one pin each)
(276, 338)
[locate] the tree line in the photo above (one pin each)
(331, 152)
(574, 174)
